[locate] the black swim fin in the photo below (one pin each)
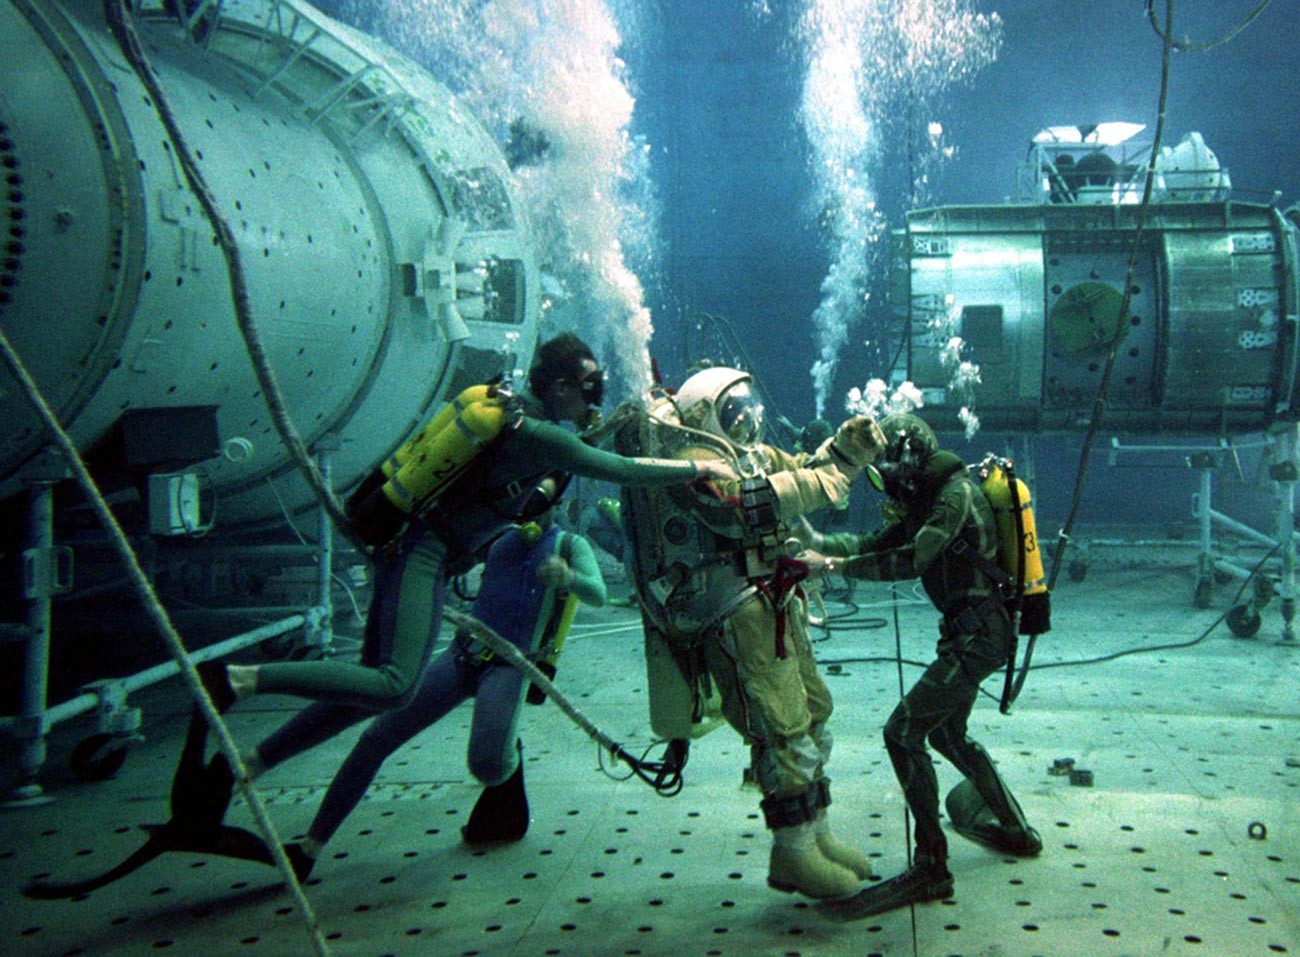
(200, 795)
(916, 885)
(500, 815)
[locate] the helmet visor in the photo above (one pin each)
(740, 414)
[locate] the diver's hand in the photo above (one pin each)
(714, 470)
(819, 565)
(554, 572)
(859, 440)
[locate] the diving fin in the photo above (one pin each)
(500, 815)
(972, 818)
(918, 884)
(200, 795)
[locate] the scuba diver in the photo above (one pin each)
(518, 473)
(812, 435)
(414, 553)
(533, 578)
(942, 515)
(723, 613)
(603, 524)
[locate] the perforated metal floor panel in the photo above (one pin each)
(1185, 843)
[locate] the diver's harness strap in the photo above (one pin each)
(758, 501)
(481, 653)
(777, 590)
(969, 619)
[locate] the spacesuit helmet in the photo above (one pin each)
(909, 443)
(722, 401)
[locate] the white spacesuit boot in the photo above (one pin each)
(832, 848)
(837, 851)
(798, 865)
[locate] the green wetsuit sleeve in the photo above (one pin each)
(588, 582)
(888, 561)
(550, 446)
(841, 544)
(848, 544)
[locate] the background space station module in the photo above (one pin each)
(1032, 289)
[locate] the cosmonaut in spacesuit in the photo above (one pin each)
(725, 619)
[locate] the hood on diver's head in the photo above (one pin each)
(909, 445)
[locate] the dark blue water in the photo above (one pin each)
(741, 253)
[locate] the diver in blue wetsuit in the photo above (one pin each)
(533, 577)
(533, 455)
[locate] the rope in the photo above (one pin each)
(1099, 403)
(666, 778)
(125, 34)
(159, 615)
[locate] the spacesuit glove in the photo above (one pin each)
(819, 565)
(858, 441)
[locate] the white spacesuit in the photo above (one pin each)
(726, 621)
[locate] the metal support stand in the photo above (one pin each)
(319, 633)
(1283, 472)
(47, 571)
(1244, 619)
(1204, 462)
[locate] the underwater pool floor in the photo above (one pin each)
(1186, 842)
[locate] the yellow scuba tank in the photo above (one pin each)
(437, 455)
(570, 609)
(561, 619)
(425, 466)
(548, 664)
(997, 489)
(1017, 540)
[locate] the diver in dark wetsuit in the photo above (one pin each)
(532, 577)
(942, 504)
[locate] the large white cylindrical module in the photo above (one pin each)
(387, 262)
(1033, 294)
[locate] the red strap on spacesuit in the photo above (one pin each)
(789, 573)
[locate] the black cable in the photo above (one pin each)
(1186, 46)
(1173, 645)
(664, 776)
(1099, 402)
(1078, 661)
(907, 811)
